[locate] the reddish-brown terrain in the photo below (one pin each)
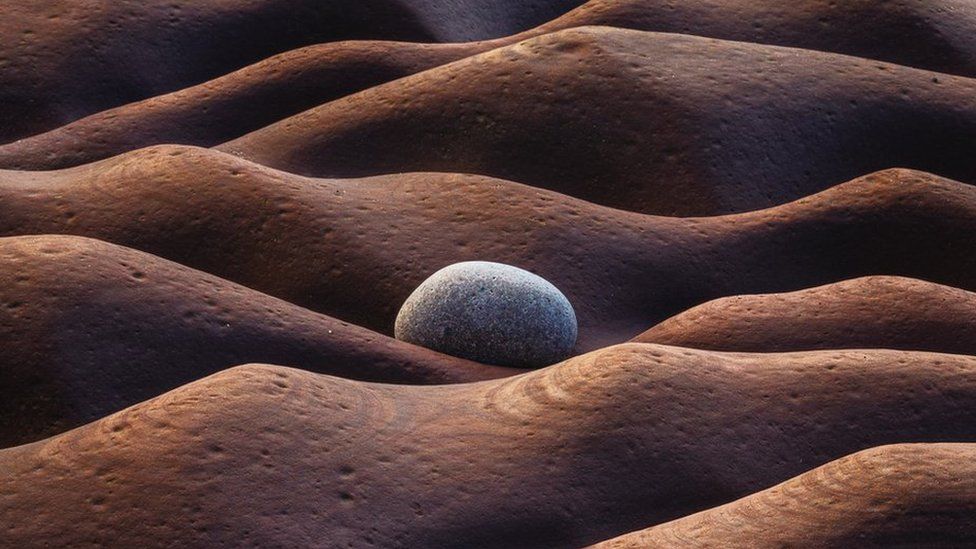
(64, 59)
(928, 35)
(634, 435)
(762, 215)
(931, 34)
(901, 495)
(88, 328)
(659, 123)
(690, 136)
(872, 312)
(355, 249)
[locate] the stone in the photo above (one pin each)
(491, 313)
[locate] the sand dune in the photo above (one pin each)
(918, 495)
(761, 212)
(594, 447)
(664, 124)
(243, 101)
(88, 328)
(922, 34)
(694, 135)
(64, 59)
(931, 34)
(355, 249)
(873, 312)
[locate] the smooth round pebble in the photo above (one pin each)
(491, 313)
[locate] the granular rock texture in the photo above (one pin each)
(872, 312)
(915, 495)
(492, 313)
(580, 452)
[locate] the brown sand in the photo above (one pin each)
(355, 249)
(88, 328)
(661, 124)
(622, 438)
(873, 312)
(931, 34)
(600, 445)
(906, 495)
(657, 123)
(924, 34)
(64, 59)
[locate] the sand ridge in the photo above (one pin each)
(64, 59)
(634, 435)
(355, 249)
(919, 494)
(930, 35)
(658, 123)
(761, 212)
(88, 328)
(871, 312)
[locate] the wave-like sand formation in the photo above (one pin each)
(907, 495)
(931, 34)
(921, 34)
(355, 249)
(243, 101)
(358, 146)
(64, 59)
(658, 123)
(576, 453)
(872, 312)
(88, 328)
(596, 113)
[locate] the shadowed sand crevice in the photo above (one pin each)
(918, 495)
(931, 34)
(88, 328)
(662, 124)
(243, 101)
(355, 249)
(657, 123)
(65, 59)
(776, 325)
(576, 453)
(926, 34)
(873, 312)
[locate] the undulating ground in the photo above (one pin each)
(763, 214)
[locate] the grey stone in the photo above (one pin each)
(492, 313)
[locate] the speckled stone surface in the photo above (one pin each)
(492, 313)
